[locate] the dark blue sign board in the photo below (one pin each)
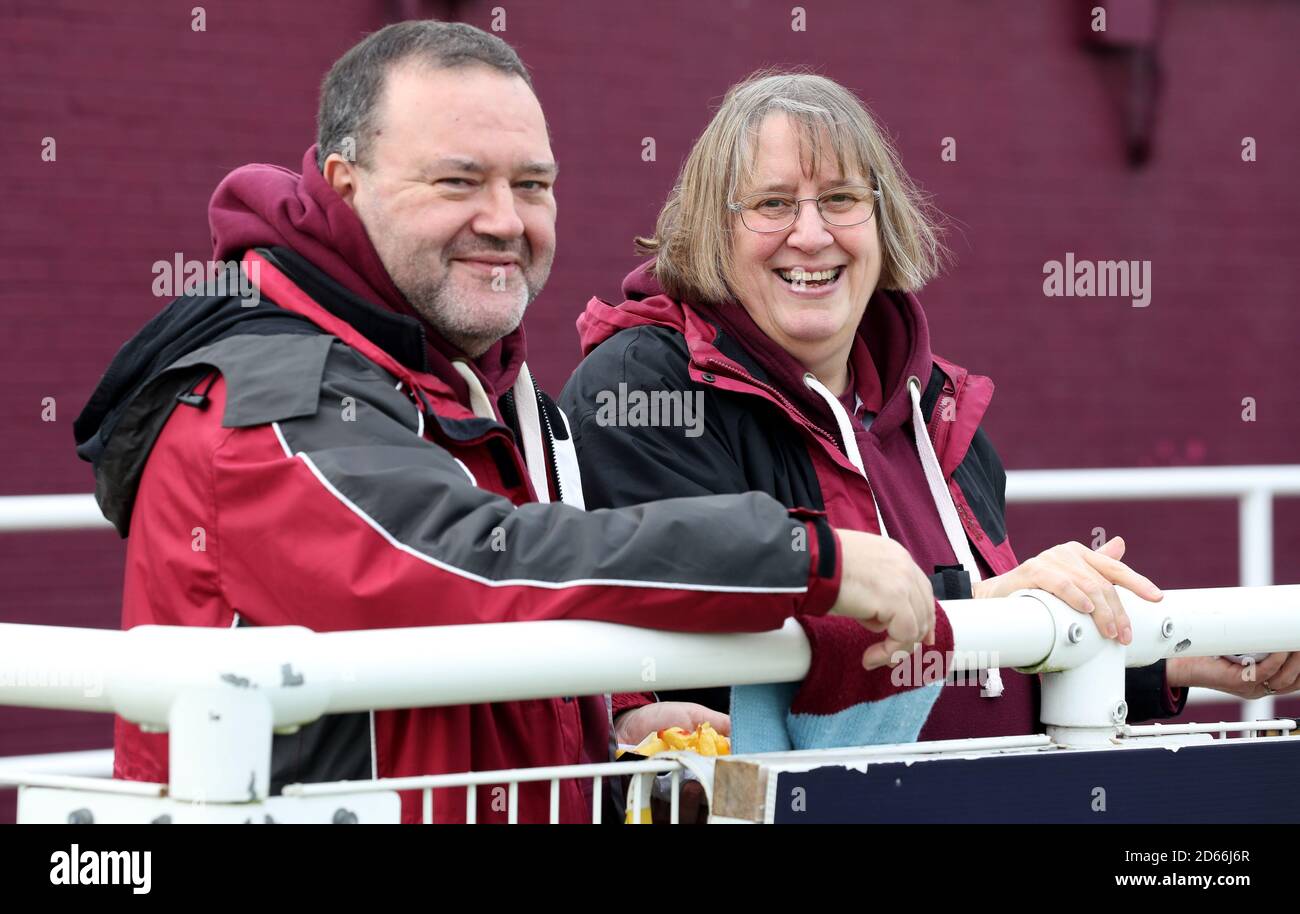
(1237, 782)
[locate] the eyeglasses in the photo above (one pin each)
(852, 204)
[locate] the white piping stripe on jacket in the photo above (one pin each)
(461, 464)
(939, 492)
(509, 582)
(419, 412)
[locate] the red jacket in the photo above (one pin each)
(299, 463)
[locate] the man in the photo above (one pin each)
(364, 446)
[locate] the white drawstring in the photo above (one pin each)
(848, 437)
(530, 429)
(939, 492)
(943, 501)
(479, 403)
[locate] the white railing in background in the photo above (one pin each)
(1254, 487)
(38, 513)
(91, 763)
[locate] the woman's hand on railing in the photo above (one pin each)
(883, 588)
(1275, 674)
(1083, 578)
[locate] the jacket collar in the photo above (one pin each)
(400, 336)
(717, 354)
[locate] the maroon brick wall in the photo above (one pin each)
(148, 116)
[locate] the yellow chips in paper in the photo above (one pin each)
(703, 741)
(711, 742)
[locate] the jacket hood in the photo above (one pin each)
(893, 331)
(270, 206)
(184, 326)
(266, 206)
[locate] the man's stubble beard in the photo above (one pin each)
(452, 314)
(457, 316)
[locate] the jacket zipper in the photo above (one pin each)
(750, 379)
(550, 435)
(974, 529)
(949, 391)
(509, 398)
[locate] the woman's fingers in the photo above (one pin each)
(1117, 572)
(1267, 668)
(1085, 591)
(915, 619)
(907, 622)
(1112, 548)
(1062, 585)
(892, 649)
(907, 625)
(879, 654)
(898, 601)
(1108, 623)
(1284, 680)
(1070, 575)
(1123, 628)
(924, 606)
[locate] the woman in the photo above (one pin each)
(780, 297)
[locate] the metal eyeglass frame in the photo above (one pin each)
(736, 207)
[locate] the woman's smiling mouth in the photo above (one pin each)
(803, 282)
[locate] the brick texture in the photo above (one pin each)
(149, 115)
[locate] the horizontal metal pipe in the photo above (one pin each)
(23, 513)
(34, 513)
(139, 673)
(1284, 724)
(1150, 483)
(91, 763)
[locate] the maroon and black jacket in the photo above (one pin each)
(765, 430)
(322, 444)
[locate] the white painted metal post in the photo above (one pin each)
(1255, 548)
(1083, 674)
(220, 746)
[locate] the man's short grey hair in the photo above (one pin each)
(352, 89)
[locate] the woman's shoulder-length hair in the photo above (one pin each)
(693, 235)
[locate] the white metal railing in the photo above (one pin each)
(84, 770)
(90, 763)
(140, 673)
(36, 513)
(223, 691)
(1254, 487)
(511, 779)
